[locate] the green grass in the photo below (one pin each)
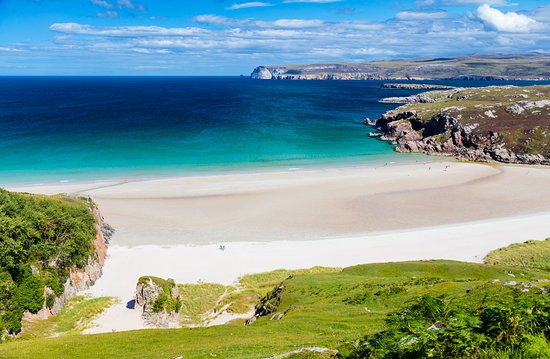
(528, 255)
(199, 301)
(75, 316)
(327, 308)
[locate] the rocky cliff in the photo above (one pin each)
(159, 302)
(472, 68)
(505, 124)
(79, 279)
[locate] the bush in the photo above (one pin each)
(49, 234)
(439, 328)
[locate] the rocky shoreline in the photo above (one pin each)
(443, 130)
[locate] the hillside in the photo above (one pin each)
(506, 124)
(476, 67)
(336, 309)
(50, 248)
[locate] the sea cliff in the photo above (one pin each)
(505, 124)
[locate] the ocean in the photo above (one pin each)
(62, 129)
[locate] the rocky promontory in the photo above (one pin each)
(506, 124)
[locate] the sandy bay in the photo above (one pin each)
(172, 227)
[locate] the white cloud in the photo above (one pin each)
(9, 49)
(102, 3)
(214, 19)
(124, 31)
(497, 20)
(296, 23)
(421, 15)
(249, 42)
(246, 5)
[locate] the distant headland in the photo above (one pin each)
(474, 67)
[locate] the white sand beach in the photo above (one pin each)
(297, 219)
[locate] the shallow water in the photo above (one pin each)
(73, 128)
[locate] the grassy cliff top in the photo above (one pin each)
(521, 115)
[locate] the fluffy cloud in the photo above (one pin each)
(497, 20)
(220, 41)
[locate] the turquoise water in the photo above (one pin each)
(75, 128)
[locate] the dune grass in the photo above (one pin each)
(75, 316)
(326, 308)
(528, 255)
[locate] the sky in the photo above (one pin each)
(231, 37)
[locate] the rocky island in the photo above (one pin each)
(505, 124)
(475, 68)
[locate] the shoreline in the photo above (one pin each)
(343, 216)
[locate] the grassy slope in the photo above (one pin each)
(328, 308)
(534, 255)
(524, 133)
(75, 316)
(507, 67)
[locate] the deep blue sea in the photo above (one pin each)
(75, 128)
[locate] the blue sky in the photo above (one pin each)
(225, 37)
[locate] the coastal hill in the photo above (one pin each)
(505, 124)
(475, 67)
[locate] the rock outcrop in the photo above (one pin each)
(505, 124)
(270, 305)
(445, 135)
(159, 302)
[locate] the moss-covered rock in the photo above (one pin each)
(159, 301)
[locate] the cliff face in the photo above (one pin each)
(79, 279)
(504, 124)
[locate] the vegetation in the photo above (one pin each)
(528, 255)
(328, 308)
(41, 238)
(166, 301)
(76, 316)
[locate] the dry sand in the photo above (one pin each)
(296, 219)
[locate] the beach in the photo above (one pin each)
(172, 227)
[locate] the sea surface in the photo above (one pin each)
(63, 129)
